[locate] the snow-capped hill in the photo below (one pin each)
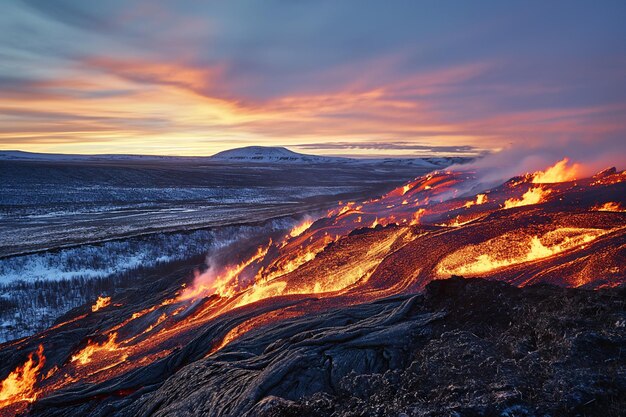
(279, 154)
(270, 154)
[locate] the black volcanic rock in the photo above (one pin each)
(463, 347)
(499, 351)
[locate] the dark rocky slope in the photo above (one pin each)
(499, 350)
(464, 347)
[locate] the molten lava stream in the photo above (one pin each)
(327, 286)
(512, 249)
(101, 302)
(103, 359)
(20, 387)
(327, 283)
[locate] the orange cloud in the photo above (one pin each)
(195, 79)
(142, 106)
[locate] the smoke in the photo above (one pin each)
(518, 159)
(235, 246)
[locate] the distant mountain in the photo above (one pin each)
(248, 154)
(271, 154)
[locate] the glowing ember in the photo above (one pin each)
(101, 302)
(160, 320)
(20, 384)
(610, 206)
(416, 216)
(559, 172)
(480, 199)
(455, 223)
(534, 195)
(301, 228)
(84, 356)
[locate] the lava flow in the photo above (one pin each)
(101, 302)
(546, 227)
(19, 386)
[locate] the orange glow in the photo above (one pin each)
(101, 302)
(193, 101)
(610, 179)
(301, 228)
(480, 199)
(456, 222)
(511, 249)
(160, 320)
(20, 384)
(85, 355)
(559, 172)
(252, 323)
(610, 206)
(220, 283)
(295, 259)
(343, 209)
(416, 217)
(352, 271)
(534, 195)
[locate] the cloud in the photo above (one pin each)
(404, 78)
(391, 145)
(72, 14)
(199, 80)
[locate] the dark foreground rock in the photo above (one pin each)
(463, 348)
(499, 351)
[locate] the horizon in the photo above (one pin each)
(347, 156)
(412, 79)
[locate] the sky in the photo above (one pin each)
(351, 77)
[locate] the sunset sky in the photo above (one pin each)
(355, 77)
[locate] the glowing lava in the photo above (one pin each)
(534, 195)
(101, 302)
(221, 281)
(85, 355)
(512, 249)
(20, 384)
(480, 199)
(559, 172)
(301, 228)
(610, 206)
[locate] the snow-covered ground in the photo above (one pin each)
(36, 289)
